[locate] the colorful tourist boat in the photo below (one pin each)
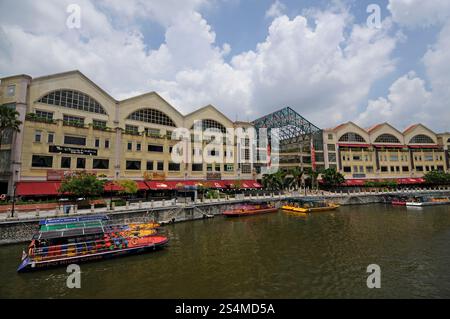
(309, 207)
(422, 202)
(251, 209)
(76, 240)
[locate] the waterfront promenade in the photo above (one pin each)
(342, 198)
(21, 227)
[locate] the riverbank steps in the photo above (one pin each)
(20, 230)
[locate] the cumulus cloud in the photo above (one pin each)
(409, 99)
(408, 102)
(318, 63)
(418, 13)
(276, 9)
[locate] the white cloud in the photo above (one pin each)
(324, 67)
(419, 13)
(276, 9)
(408, 102)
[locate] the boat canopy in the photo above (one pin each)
(69, 233)
(53, 221)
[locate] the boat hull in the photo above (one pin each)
(398, 203)
(311, 209)
(29, 265)
(237, 213)
(424, 204)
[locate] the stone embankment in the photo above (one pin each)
(22, 227)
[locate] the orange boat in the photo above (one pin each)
(251, 209)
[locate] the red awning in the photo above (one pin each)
(389, 146)
(353, 145)
(142, 186)
(424, 146)
(37, 188)
(410, 181)
(219, 184)
(355, 182)
(400, 181)
(112, 187)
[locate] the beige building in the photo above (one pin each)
(71, 124)
(384, 152)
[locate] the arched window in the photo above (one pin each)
(208, 123)
(151, 116)
(421, 139)
(387, 138)
(352, 137)
(448, 141)
(73, 100)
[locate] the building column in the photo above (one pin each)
(16, 149)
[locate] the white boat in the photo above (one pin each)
(428, 203)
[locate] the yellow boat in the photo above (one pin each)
(310, 209)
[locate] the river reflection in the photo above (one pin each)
(282, 255)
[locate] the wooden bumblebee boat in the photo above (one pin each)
(309, 207)
(251, 209)
(398, 202)
(76, 240)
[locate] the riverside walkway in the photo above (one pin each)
(340, 197)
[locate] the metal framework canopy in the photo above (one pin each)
(291, 125)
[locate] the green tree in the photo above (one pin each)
(297, 175)
(8, 121)
(82, 184)
(314, 175)
(275, 181)
(332, 178)
(129, 187)
(437, 178)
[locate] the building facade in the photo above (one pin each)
(384, 152)
(71, 124)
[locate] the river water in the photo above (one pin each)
(324, 255)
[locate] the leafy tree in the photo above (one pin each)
(437, 178)
(332, 178)
(275, 181)
(8, 121)
(129, 187)
(297, 175)
(314, 175)
(82, 184)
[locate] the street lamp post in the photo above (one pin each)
(13, 200)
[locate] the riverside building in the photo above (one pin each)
(386, 153)
(71, 124)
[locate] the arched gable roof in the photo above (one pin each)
(417, 130)
(349, 129)
(208, 112)
(387, 133)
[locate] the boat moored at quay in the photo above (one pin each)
(300, 206)
(77, 240)
(251, 209)
(423, 202)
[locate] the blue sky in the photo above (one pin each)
(248, 57)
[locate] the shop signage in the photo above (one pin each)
(213, 176)
(59, 175)
(152, 176)
(71, 150)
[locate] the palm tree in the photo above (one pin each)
(314, 174)
(8, 121)
(297, 175)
